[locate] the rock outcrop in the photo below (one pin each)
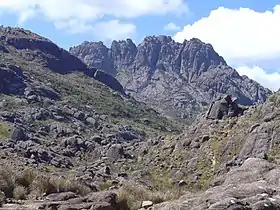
(11, 80)
(179, 79)
(39, 50)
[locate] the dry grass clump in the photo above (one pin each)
(131, 196)
(21, 184)
(7, 181)
(20, 193)
(44, 185)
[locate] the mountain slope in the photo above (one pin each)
(62, 128)
(179, 79)
(219, 164)
(50, 95)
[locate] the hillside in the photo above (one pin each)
(177, 79)
(226, 164)
(56, 115)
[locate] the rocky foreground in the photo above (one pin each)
(225, 164)
(252, 186)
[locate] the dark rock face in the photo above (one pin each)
(176, 78)
(55, 58)
(11, 80)
(44, 52)
(107, 79)
(18, 134)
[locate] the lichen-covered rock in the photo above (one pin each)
(61, 196)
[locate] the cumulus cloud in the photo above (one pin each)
(105, 30)
(269, 80)
(244, 37)
(88, 10)
(80, 16)
(172, 27)
(238, 34)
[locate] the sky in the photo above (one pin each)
(244, 32)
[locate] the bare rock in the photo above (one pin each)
(61, 196)
(147, 204)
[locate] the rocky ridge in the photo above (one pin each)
(37, 49)
(177, 79)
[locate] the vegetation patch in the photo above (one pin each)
(5, 130)
(273, 154)
(20, 184)
(204, 168)
(275, 99)
(131, 196)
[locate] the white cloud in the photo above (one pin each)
(113, 29)
(269, 80)
(244, 37)
(65, 12)
(80, 16)
(238, 35)
(106, 30)
(172, 27)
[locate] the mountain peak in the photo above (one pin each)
(174, 77)
(161, 38)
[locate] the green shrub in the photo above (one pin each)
(5, 130)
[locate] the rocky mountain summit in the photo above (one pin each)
(178, 79)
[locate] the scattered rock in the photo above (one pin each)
(147, 204)
(182, 183)
(61, 196)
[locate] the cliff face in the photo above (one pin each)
(178, 79)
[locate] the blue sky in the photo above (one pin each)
(248, 38)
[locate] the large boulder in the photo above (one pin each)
(115, 152)
(18, 134)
